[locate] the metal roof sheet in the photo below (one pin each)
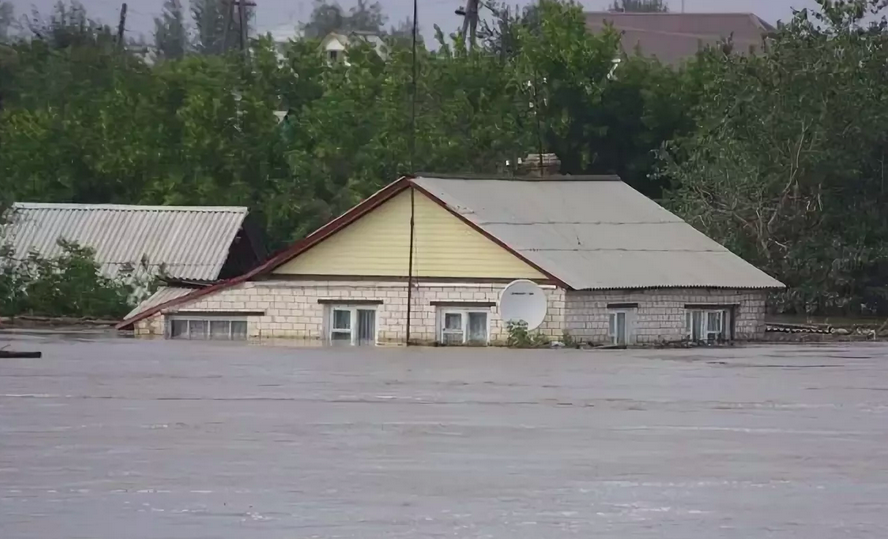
(163, 294)
(676, 37)
(189, 242)
(596, 233)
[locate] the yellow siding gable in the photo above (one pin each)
(378, 244)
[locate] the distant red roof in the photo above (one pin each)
(676, 37)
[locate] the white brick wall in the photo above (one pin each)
(661, 312)
(292, 310)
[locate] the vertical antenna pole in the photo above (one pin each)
(410, 266)
(412, 171)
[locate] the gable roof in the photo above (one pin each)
(190, 242)
(583, 232)
(342, 41)
(595, 233)
(675, 37)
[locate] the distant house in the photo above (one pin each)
(676, 37)
(336, 44)
(190, 246)
(616, 268)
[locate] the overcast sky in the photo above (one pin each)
(272, 14)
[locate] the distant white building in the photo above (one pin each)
(336, 44)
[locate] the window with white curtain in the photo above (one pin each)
(708, 324)
(463, 326)
(351, 324)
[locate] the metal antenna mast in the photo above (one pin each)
(412, 171)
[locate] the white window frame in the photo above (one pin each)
(708, 334)
(630, 314)
(207, 319)
(353, 322)
(464, 323)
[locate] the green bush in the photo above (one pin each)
(70, 284)
(521, 337)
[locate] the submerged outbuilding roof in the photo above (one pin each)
(189, 242)
(595, 233)
(163, 295)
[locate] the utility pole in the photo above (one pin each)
(470, 22)
(122, 26)
(242, 20)
(229, 14)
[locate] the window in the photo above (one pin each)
(205, 327)
(460, 326)
(621, 326)
(708, 325)
(332, 55)
(352, 325)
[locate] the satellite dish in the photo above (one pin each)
(523, 300)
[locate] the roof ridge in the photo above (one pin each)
(673, 14)
(544, 179)
(126, 207)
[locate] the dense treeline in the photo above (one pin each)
(780, 156)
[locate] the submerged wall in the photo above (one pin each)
(300, 309)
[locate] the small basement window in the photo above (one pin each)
(461, 326)
(708, 325)
(206, 328)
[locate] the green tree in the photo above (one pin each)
(7, 19)
(330, 17)
(324, 18)
(366, 17)
(640, 6)
(565, 71)
(787, 167)
(170, 34)
(209, 17)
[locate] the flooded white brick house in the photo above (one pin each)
(616, 268)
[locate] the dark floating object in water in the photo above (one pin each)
(9, 354)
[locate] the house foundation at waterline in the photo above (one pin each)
(615, 266)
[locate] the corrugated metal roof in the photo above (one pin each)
(675, 37)
(190, 242)
(163, 294)
(596, 233)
